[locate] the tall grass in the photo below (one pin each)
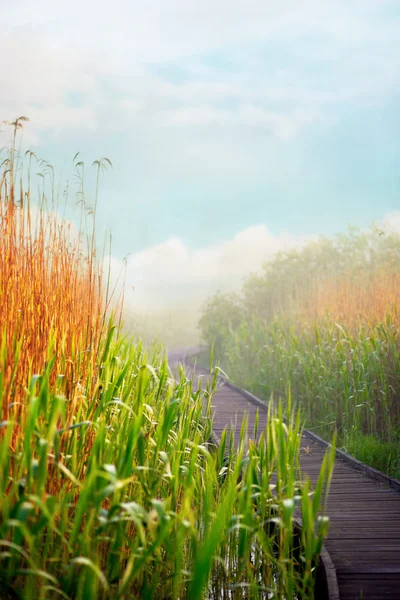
(50, 285)
(146, 508)
(324, 322)
(109, 484)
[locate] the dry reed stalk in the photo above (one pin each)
(353, 302)
(51, 299)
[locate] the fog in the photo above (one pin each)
(167, 286)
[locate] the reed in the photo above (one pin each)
(323, 321)
(132, 500)
(51, 296)
(110, 486)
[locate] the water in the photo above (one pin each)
(262, 579)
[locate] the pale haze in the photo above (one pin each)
(235, 129)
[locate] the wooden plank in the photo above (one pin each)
(364, 537)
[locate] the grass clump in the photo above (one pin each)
(323, 321)
(134, 502)
(50, 284)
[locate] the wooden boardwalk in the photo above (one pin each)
(364, 535)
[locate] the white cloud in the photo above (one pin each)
(160, 30)
(168, 273)
(274, 123)
(391, 222)
(104, 54)
(36, 81)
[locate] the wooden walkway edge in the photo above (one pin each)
(363, 504)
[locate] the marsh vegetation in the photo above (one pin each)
(110, 485)
(322, 321)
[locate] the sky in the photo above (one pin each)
(235, 128)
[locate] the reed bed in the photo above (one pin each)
(148, 508)
(110, 486)
(323, 321)
(51, 294)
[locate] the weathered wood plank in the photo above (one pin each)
(364, 538)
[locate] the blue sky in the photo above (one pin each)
(220, 118)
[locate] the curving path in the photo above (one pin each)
(363, 505)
